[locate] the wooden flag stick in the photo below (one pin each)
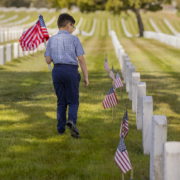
(115, 92)
(112, 114)
(122, 176)
(131, 178)
(121, 92)
(49, 65)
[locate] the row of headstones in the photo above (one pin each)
(10, 35)
(7, 9)
(164, 156)
(164, 38)
(8, 52)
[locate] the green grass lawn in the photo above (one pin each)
(30, 147)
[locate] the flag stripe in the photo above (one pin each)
(34, 36)
(110, 100)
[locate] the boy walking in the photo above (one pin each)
(64, 49)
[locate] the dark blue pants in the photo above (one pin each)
(66, 84)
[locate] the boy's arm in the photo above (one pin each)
(82, 63)
(47, 53)
(48, 59)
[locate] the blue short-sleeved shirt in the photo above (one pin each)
(64, 48)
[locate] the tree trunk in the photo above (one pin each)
(140, 24)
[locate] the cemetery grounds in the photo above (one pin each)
(30, 147)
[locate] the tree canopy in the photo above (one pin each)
(25, 3)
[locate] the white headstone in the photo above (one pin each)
(35, 51)
(146, 123)
(131, 70)
(30, 52)
(39, 48)
(121, 51)
(9, 35)
(15, 34)
(119, 47)
(12, 35)
(2, 56)
(141, 91)
(8, 52)
(171, 160)
(126, 59)
(5, 36)
(21, 52)
(127, 75)
(16, 55)
(26, 53)
(2, 36)
(135, 79)
(158, 138)
(124, 55)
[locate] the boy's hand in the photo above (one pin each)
(86, 82)
(44, 54)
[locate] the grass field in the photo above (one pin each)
(30, 147)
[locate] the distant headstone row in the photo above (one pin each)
(5, 9)
(164, 156)
(8, 52)
(164, 38)
(39, 10)
(10, 35)
(13, 33)
(128, 34)
(16, 22)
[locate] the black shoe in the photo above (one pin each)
(61, 132)
(74, 131)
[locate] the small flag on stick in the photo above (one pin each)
(112, 74)
(119, 82)
(34, 36)
(106, 66)
(121, 157)
(124, 125)
(110, 100)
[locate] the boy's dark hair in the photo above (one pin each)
(64, 19)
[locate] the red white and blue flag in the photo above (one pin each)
(121, 157)
(119, 82)
(110, 100)
(124, 125)
(106, 66)
(34, 36)
(112, 74)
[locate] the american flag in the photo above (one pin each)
(119, 82)
(34, 36)
(112, 74)
(106, 66)
(124, 125)
(121, 157)
(110, 100)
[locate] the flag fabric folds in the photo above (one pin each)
(112, 74)
(34, 36)
(121, 157)
(119, 82)
(124, 125)
(106, 66)
(110, 100)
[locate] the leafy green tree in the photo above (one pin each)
(62, 3)
(15, 3)
(115, 6)
(135, 5)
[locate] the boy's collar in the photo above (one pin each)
(63, 32)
